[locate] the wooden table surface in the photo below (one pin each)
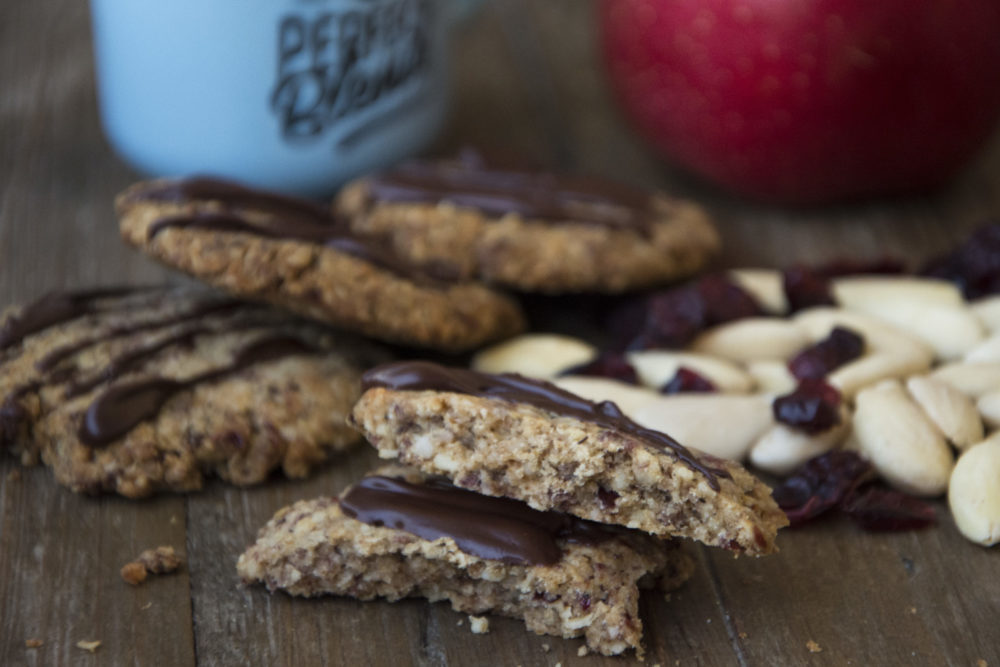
(529, 80)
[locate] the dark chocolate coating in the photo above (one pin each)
(542, 195)
(493, 528)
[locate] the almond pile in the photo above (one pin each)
(908, 377)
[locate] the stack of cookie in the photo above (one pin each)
(516, 497)
(521, 499)
(404, 257)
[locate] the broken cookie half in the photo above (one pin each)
(507, 435)
(400, 533)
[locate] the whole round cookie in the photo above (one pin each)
(138, 391)
(294, 254)
(530, 230)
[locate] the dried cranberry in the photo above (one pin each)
(820, 484)
(584, 601)
(612, 365)
(813, 407)
(877, 508)
(974, 266)
(672, 319)
(686, 380)
(725, 301)
(805, 287)
(819, 360)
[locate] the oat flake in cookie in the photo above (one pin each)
(295, 254)
(398, 533)
(135, 391)
(530, 230)
(507, 435)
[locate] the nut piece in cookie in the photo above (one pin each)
(294, 254)
(398, 533)
(527, 229)
(507, 435)
(142, 390)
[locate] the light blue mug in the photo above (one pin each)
(292, 95)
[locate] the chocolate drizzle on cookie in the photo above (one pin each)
(497, 191)
(422, 375)
(492, 528)
(201, 310)
(269, 215)
(122, 407)
(52, 309)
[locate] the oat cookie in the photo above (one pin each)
(561, 575)
(294, 254)
(507, 435)
(138, 391)
(530, 230)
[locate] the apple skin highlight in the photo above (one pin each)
(809, 101)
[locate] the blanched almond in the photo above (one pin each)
(970, 379)
(534, 355)
(627, 397)
(781, 448)
(752, 338)
(989, 408)
(904, 446)
(657, 367)
(932, 310)
(871, 368)
(951, 411)
(988, 311)
(724, 425)
(869, 292)
(974, 494)
(772, 376)
(766, 286)
(987, 351)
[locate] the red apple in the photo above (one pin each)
(809, 100)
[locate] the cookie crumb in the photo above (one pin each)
(814, 647)
(88, 644)
(160, 560)
(460, 622)
(582, 651)
(32, 643)
(479, 625)
(14, 475)
(743, 635)
(667, 596)
(146, 606)
(913, 610)
(133, 573)
(981, 663)
(546, 648)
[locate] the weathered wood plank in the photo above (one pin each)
(60, 558)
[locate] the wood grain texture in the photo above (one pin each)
(528, 79)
